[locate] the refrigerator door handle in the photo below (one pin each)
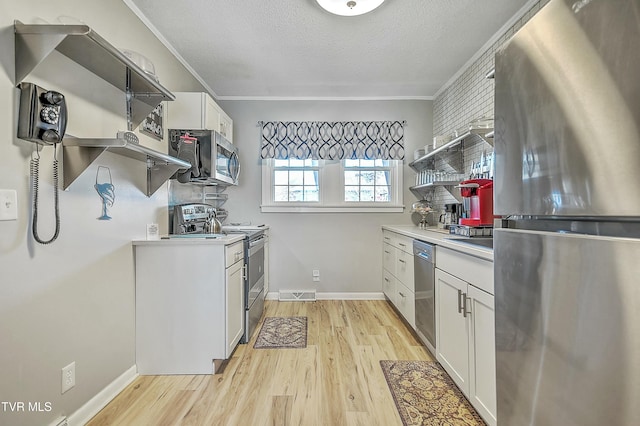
(459, 301)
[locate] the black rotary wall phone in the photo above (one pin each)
(42, 119)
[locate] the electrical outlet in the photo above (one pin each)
(316, 274)
(68, 377)
(8, 204)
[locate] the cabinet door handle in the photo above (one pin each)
(401, 261)
(400, 293)
(387, 252)
(459, 301)
(464, 305)
(402, 245)
(386, 279)
(387, 238)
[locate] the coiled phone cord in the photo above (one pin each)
(35, 172)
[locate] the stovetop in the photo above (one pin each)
(249, 230)
(201, 235)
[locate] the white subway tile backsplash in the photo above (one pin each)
(469, 97)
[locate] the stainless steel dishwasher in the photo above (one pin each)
(424, 274)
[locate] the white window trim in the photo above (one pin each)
(331, 193)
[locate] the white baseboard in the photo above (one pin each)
(273, 295)
(85, 413)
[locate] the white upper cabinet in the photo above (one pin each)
(194, 110)
(225, 126)
(211, 114)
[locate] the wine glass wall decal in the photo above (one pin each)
(106, 190)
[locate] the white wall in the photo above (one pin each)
(345, 247)
(72, 300)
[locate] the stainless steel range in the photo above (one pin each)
(254, 255)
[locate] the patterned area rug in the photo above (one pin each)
(425, 395)
(282, 332)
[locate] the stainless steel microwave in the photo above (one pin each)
(214, 160)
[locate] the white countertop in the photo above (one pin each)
(442, 238)
(217, 239)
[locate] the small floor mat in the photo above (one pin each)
(425, 395)
(282, 332)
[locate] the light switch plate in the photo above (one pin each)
(8, 204)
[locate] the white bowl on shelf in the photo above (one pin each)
(440, 140)
(141, 61)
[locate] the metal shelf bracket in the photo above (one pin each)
(79, 154)
(34, 42)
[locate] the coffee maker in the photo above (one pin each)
(477, 197)
(451, 214)
(195, 219)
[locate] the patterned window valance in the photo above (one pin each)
(321, 140)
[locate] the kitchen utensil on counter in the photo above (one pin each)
(424, 209)
(212, 225)
(443, 221)
(194, 218)
(452, 212)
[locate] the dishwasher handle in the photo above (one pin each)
(426, 256)
(424, 250)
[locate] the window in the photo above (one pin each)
(331, 185)
(296, 181)
(367, 181)
(313, 166)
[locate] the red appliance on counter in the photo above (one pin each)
(477, 197)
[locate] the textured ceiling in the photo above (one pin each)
(293, 48)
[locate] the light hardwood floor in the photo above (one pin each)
(336, 380)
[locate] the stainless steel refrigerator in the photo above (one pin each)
(567, 259)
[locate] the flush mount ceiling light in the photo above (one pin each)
(349, 7)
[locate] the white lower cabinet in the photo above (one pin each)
(482, 374)
(397, 274)
(189, 305)
(406, 303)
(389, 258)
(465, 327)
(452, 335)
(465, 336)
(234, 293)
(389, 286)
